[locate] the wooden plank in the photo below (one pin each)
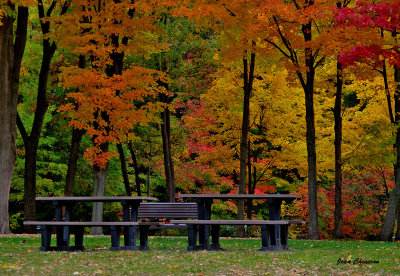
(297, 221)
(96, 198)
(240, 196)
(90, 223)
(233, 222)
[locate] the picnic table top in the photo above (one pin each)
(239, 196)
(97, 198)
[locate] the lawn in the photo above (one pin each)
(19, 254)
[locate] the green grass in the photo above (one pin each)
(19, 254)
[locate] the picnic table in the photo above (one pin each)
(130, 205)
(273, 242)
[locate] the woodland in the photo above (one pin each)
(160, 97)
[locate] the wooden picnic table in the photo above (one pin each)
(205, 201)
(129, 204)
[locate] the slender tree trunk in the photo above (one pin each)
(99, 187)
(310, 133)
(124, 170)
(135, 168)
(390, 217)
(338, 215)
(31, 141)
(77, 135)
(244, 151)
(166, 139)
(249, 184)
(8, 108)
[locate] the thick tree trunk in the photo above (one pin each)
(166, 139)
(135, 168)
(8, 108)
(99, 187)
(390, 217)
(124, 170)
(244, 151)
(397, 236)
(338, 215)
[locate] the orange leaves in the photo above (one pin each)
(96, 156)
(115, 96)
(110, 96)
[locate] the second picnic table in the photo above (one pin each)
(205, 201)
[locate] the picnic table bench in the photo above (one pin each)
(168, 210)
(45, 229)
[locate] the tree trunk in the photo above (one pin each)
(390, 217)
(77, 135)
(31, 141)
(244, 151)
(397, 236)
(250, 184)
(166, 139)
(308, 87)
(99, 187)
(135, 168)
(124, 170)
(8, 108)
(338, 215)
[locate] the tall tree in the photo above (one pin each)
(383, 17)
(294, 29)
(31, 141)
(110, 97)
(11, 53)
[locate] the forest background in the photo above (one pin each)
(163, 97)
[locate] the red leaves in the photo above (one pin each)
(384, 15)
(372, 55)
(364, 203)
(366, 17)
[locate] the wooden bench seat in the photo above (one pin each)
(269, 228)
(45, 229)
(168, 210)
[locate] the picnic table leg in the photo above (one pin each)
(192, 237)
(265, 239)
(45, 233)
(130, 210)
(66, 232)
(274, 206)
(215, 237)
(115, 238)
(79, 237)
(284, 237)
(144, 237)
(59, 229)
(204, 212)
